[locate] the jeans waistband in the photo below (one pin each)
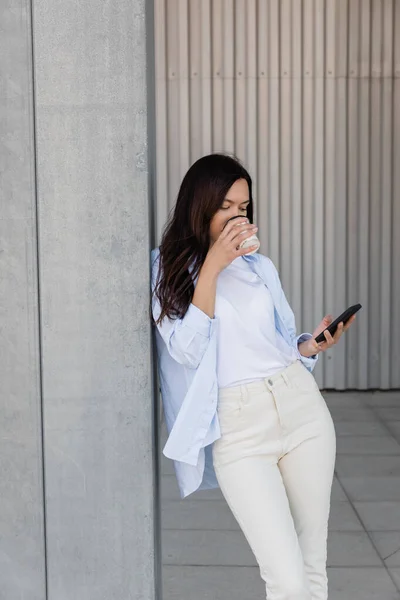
(282, 378)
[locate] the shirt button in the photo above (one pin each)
(270, 381)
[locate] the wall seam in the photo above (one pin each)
(40, 345)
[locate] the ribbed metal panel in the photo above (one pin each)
(307, 94)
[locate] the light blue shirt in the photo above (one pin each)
(187, 369)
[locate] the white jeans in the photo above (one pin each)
(274, 464)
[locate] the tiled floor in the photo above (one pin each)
(206, 556)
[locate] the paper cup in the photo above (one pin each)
(250, 242)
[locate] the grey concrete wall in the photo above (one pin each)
(22, 564)
(76, 349)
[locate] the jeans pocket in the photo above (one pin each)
(229, 410)
(304, 381)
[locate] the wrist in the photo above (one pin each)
(300, 347)
(209, 270)
(305, 351)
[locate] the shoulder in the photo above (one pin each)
(264, 261)
(268, 266)
(154, 265)
(154, 254)
(154, 258)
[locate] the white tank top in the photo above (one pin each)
(249, 347)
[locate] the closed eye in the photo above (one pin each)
(227, 207)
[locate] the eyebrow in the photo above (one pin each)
(244, 201)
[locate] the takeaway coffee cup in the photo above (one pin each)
(250, 241)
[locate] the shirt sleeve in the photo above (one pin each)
(186, 338)
(290, 324)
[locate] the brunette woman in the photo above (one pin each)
(242, 408)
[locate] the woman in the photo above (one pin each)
(243, 410)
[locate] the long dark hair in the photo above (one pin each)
(186, 239)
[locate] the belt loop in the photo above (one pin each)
(242, 393)
(286, 378)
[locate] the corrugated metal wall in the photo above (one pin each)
(306, 93)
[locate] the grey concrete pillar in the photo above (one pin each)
(22, 546)
(77, 349)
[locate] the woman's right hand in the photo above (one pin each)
(226, 248)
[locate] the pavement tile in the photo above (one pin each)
(337, 493)
(372, 583)
(382, 516)
(367, 445)
(170, 491)
(351, 549)
(375, 466)
(213, 548)
(395, 573)
(382, 398)
(373, 428)
(394, 428)
(344, 400)
(388, 413)
(388, 545)
(371, 488)
(343, 518)
(340, 413)
(167, 466)
(212, 583)
(169, 488)
(198, 514)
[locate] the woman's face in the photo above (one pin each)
(234, 205)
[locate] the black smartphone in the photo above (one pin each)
(345, 316)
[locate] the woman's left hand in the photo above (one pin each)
(311, 347)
